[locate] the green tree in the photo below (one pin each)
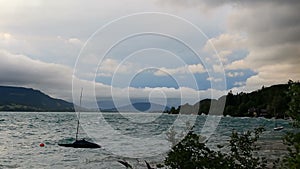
(243, 109)
(276, 107)
(192, 154)
(292, 139)
(294, 104)
(242, 147)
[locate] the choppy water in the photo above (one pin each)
(21, 134)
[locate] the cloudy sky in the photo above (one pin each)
(152, 48)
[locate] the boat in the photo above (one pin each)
(277, 128)
(80, 143)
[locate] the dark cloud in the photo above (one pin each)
(20, 70)
(218, 3)
(273, 32)
(272, 29)
(268, 23)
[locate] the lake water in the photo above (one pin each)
(133, 137)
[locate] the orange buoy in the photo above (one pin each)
(42, 145)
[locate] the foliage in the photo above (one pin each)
(190, 153)
(292, 140)
(294, 104)
(267, 101)
(292, 160)
(193, 154)
(173, 110)
(242, 147)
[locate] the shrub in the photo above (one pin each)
(192, 154)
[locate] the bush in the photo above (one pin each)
(190, 153)
(292, 139)
(292, 160)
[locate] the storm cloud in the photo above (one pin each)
(272, 33)
(40, 41)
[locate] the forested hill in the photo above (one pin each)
(26, 99)
(266, 102)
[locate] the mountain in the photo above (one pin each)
(27, 99)
(108, 104)
(266, 102)
(139, 107)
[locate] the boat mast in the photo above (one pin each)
(76, 138)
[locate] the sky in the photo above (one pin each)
(188, 49)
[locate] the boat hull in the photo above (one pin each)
(81, 144)
(278, 128)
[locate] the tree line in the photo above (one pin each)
(266, 102)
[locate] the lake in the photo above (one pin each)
(133, 137)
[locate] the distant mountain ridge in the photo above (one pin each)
(28, 99)
(109, 103)
(139, 107)
(267, 102)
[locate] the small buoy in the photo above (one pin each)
(42, 145)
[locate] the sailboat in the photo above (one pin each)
(80, 143)
(277, 128)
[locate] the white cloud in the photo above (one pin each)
(227, 42)
(224, 54)
(15, 43)
(23, 71)
(196, 68)
(55, 49)
(273, 74)
(75, 41)
(110, 66)
(188, 69)
(5, 36)
(204, 6)
(273, 31)
(56, 80)
(239, 64)
(239, 83)
(270, 55)
(268, 30)
(218, 68)
(235, 74)
(214, 79)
